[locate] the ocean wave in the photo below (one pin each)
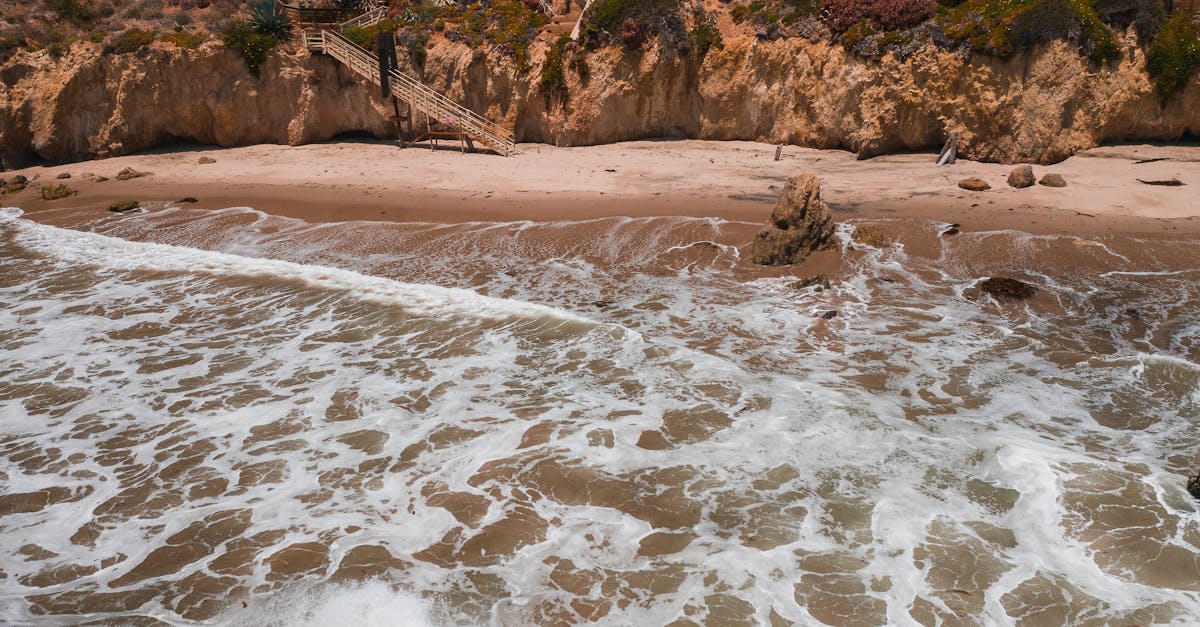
(72, 247)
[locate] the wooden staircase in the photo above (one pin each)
(564, 23)
(368, 19)
(404, 88)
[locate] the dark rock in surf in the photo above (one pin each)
(951, 230)
(1021, 177)
(1004, 288)
(830, 315)
(820, 281)
(870, 235)
(122, 206)
(188, 199)
(799, 225)
(1193, 486)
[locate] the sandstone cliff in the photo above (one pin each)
(1041, 106)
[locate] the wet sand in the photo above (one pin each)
(733, 180)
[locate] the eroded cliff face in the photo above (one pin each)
(1041, 106)
(86, 105)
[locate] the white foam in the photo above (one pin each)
(913, 392)
(371, 603)
(75, 248)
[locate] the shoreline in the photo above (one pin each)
(737, 181)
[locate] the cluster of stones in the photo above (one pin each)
(1021, 177)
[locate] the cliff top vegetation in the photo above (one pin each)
(871, 29)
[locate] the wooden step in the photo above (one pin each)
(429, 101)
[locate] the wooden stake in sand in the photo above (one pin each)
(779, 152)
(950, 151)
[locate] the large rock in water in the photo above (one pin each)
(799, 224)
(1004, 288)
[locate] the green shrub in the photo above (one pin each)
(360, 36)
(1002, 27)
(626, 21)
(191, 41)
(69, 10)
(268, 18)
(785, 13)
(513, 27)
(1147, 16)
(129, 41)
(7, 47)
(416, 44)
(1174, 57)
(553, 81)
(59, 45)
(705, 37)
(857, 33)
(251, 44)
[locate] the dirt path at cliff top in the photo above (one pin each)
(733, 180)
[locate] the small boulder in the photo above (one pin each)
(56, 191)
(63, 175)
(19, 180)
(1053, 180)
(129, 173)
(207, 160)
(1004, 288)
(13, 187)
(1193, 486)
(799, 225)
(1021, 177)
(188, 199)
(93, 178)
(121, 206)
(974, 184)
(830, 315)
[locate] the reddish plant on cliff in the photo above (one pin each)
(881, 14)
(632, 34)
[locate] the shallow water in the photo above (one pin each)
(232, 417)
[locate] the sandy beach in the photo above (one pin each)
(734, 180)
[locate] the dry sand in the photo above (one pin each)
(734, 180)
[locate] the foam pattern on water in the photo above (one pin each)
(181, 428)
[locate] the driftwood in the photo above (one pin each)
(949, 152)
(1166, 183)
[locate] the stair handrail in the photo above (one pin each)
(442, 107)
(370, 18)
